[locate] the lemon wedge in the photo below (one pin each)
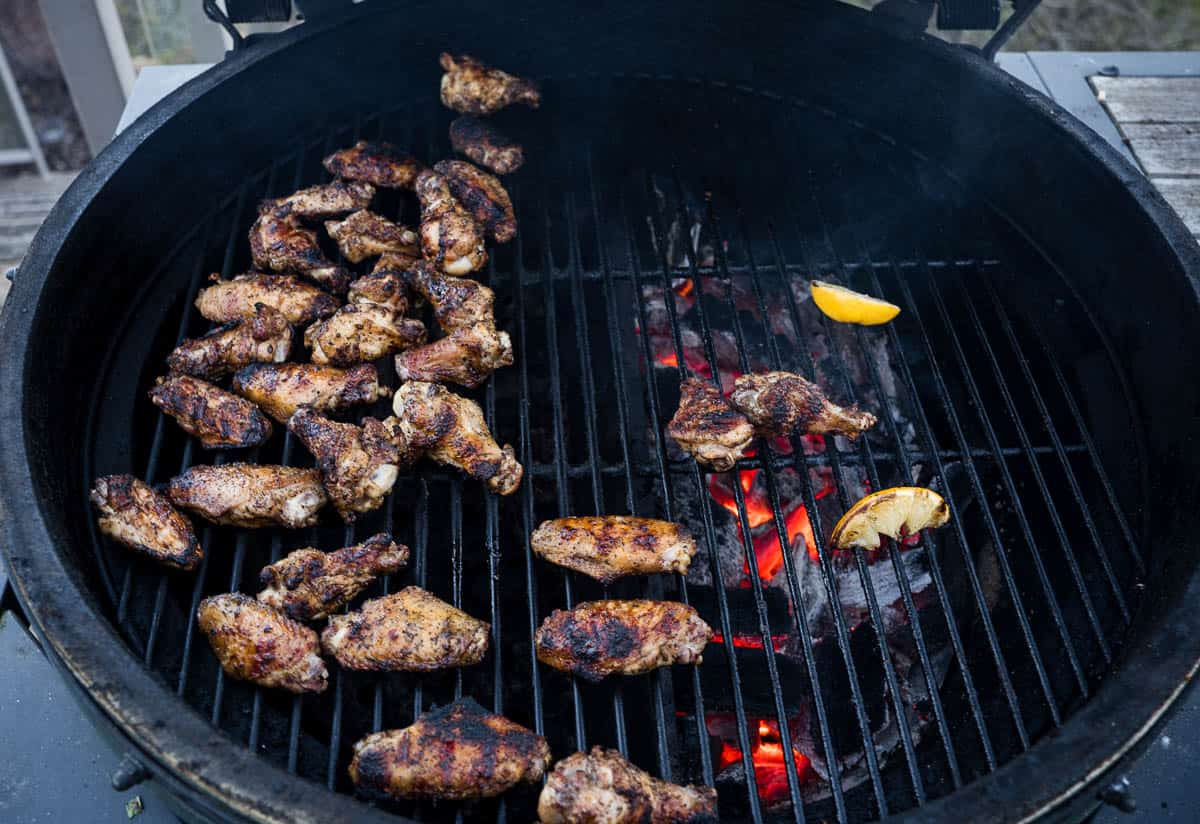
(847, 306)
(895, 512)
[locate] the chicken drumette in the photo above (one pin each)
(380, 164)
(361, 332)
(282, 388)
(472, 87)
(465, 357)
(609, 547)
(365, 234)
(458, 303)
(324, 200)
(254, 642)
(264, 338)
(450, 237)
(134, 515)
(486, 145)
(250, 495)
(385, 287)
(359, 464)
(780, 403)
(236, 299)
(220, 419)
(281, 243)
(483, 195)
(707, 427)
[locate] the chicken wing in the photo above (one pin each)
(609, 547)
(458, 303)
(481, 194)
(472, 87)
(486, 145)
(465, 357)
(457, 752)
(358, 464)
(220, 419)
(450, 237)
(601, 638)
(397, 262)
(365, 234)
(134, 515)
(230, 300)
(279, 242)
(324, 200)
(410, 631)
(254, 642)
(385, 287)
(250, 495)
(378, 163)
(282, 388)
(264, 338)
(452, 431)
(409, 451)
(708, 428)
(310, 584)
(780, 403)
(361, 332)
(602, 787)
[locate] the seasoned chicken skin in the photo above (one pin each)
(472, 87)
(254, 642)
(457, 752)
(451, 429)
(310, 584)
(378, 163)
(609, 547)
(264, 338)
(385, 287)
(281, 243)
(361, 332)
(708, 428)
(397, 262)
(450, 237)
(410, 631)
(780, 403)
(602, 787)
(230, 300)
(134, 515)
(486, 145)
(458, 303)
(483, 195)
(365, 234)
(324, 200)
(282, 388)
(601, 638)
(409, 452)
(358, 464)
(465, 357)
(250, 495)
(220, 419)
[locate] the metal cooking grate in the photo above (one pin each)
(983, 395)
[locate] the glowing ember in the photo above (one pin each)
(766, 753)
(685, 287)
(748, 641)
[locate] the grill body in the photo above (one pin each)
(839, 146)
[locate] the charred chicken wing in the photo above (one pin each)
(483, 195)
(458, 303)
(250, 495)
(310, 584)
(365, 234)
(708, 428)
(361, 332)
(410, 630)
(601, 638)
(282, 388)
(264, 338)
(380, 164)
(609, 547)
(486, 145)
(220, 419)
(254, 642)
(385, 287)
(465, 357)
(134, 515)
(358, 464)
(279, 242)
(780, 403)
(450, 237)
(324, 200)
(472, 87)
(230, 300)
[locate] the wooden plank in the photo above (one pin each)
(1065, 75)
(1183, 193)
(1165, 148)
(1150, 99)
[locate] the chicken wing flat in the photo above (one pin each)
(324, 200)
(465, 357)
(472, 87)
(451, 430)
(609, 547)
(481, 194)
(250, 495)
(220, 419)
(358, 464)
(385, 288)
(365, 234)
(457, 752)
(409, 631)
(601, 638)
(602, 787)
(230, 300)
(282, 388)
(458, 303)
(486, 145)
(708, 428)
(450, 237)
(264, 338)
(256, 643)
(134, 515)
(310, 584)
(780, 403)
(281, 243)
(378, 163)
(361, 332)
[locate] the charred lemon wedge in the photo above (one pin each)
(847, 306)
(895, 512)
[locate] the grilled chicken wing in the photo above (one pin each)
(279, 242)
(465, 357)
(397, 262)
(380, 164)
(609, 547)
(250, 495)
(779, 403)
(481, 194)
(452, 431)
(457, 752)
(324, 200)
(310, 584)
(601, 638)
(458, 303)
(254, 642)
(472, 87)
(220, 419)
(708, 428)
(385, 287)
(358, 464)
(264, 338)
(450, 237)
(282, 388)
(134, 515)
(361, 332)
(365, 234)
(408, 450)
(486, 145)
(230, 300)
(410, 630)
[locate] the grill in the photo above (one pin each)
(842, 686)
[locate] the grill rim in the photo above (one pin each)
(224, 778)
